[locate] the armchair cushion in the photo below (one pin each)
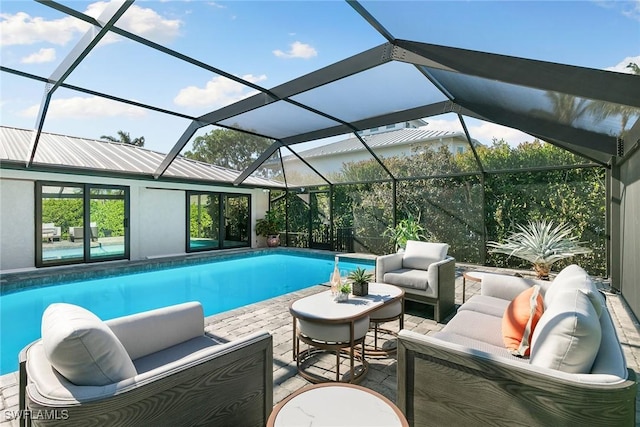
(413, 279)
(420, 255)
(82, 348)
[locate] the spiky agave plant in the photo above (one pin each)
(542, 244)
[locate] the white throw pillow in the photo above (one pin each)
(568, 335)
(82, 348)
(570, 278)
(420, 255)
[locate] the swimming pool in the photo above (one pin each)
(219, 285)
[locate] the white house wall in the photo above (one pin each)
(17, 220)
(162, 231)
(157, 222)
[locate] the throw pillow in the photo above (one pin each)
(420, 255)
(520, 319)
(82, 348)
(571, 277)
(568, 335)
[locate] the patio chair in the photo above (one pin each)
(77, 233)
(425, 272)
(51, 232)
(152, 368)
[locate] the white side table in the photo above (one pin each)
(474, 276)
(331, 404)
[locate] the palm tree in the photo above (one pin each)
(125, 138)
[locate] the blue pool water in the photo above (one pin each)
(219, 286)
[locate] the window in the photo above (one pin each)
(217, 221)
(460, 150)
(62, 212)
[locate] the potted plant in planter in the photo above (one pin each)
(269, 227)
(406, 229)
(360, 281)
(343, 292)
(542, 244)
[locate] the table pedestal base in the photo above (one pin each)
(305, 360)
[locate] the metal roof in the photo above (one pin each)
(81, 154)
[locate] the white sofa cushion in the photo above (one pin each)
(420, 255)
(568, 334)
(571, 277)
(477, 326)
(485, 304)
(82, 348)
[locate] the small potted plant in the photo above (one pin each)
(269, 227)
(360, 281)
(343, 292)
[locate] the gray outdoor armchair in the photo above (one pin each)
(425, 272)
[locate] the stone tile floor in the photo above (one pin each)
(273, 315)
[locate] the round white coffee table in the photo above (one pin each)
(331, 404)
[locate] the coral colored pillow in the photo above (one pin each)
(520, 319)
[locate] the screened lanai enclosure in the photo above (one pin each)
(347, 150)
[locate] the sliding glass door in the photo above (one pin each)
(80, 223)
(217, 221)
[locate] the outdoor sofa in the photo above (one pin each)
(156, 368)
(425, 272)
(575, 373)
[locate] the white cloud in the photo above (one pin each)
(216, 5)
(81, 108)
(142, 21)
(43, 55)
(631, 9)
(24, 29)
(452, 125)
(297, 50)
(485, 132)
(621, 67)
(217, 92)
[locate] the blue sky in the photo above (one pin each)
(269, 43)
